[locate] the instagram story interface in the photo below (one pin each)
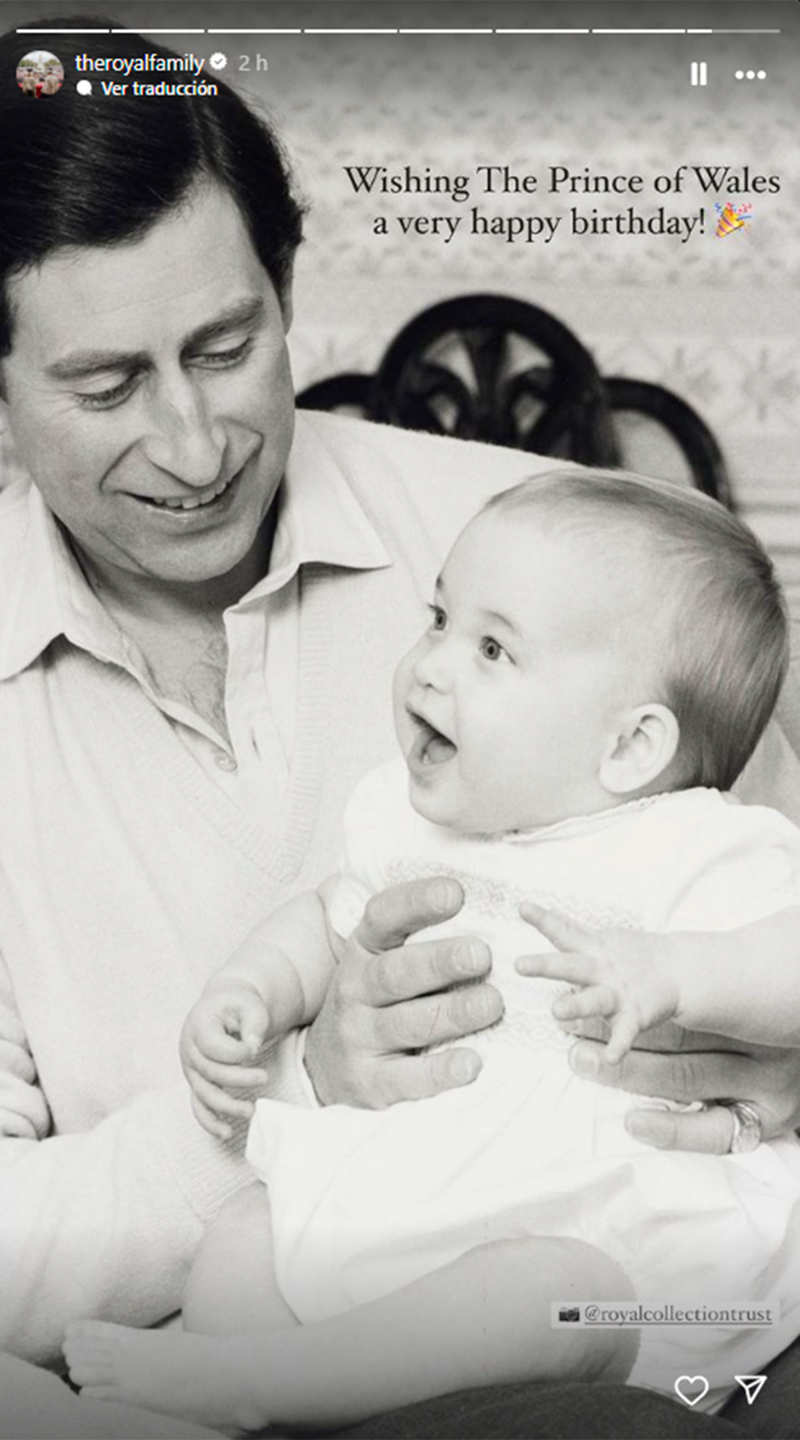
(292, 295)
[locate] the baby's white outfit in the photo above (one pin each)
(364, 1202)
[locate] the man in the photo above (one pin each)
(201, 607)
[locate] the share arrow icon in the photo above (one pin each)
(751, 1384)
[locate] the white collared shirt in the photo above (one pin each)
(319, 522)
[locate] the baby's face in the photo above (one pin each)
(504, 706)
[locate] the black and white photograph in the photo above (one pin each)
(399, 719)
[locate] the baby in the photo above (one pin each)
(602, 655)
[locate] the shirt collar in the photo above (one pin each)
(46, 594)
(578, 825)
(319, 518)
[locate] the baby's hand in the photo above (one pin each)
(222, 1033)
(627, 976)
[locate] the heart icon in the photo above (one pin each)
(691, 1388)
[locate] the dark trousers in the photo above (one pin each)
(594, 1412)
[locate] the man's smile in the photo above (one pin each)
(191, 502)
(213, 499)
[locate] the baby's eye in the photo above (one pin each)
(491, 649)
(438, 617)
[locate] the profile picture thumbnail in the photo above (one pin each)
(40, 73)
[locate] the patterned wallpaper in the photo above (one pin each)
(713, 318)
(708, 317)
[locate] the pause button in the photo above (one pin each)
(699, 72)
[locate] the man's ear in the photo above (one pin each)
(643, 745)
(285, 299)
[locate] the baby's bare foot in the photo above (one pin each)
(199, 1377)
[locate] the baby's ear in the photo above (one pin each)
(642, 747)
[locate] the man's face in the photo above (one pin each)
(149, 394)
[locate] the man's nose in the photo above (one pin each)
(182, 437)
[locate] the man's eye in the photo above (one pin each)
(491, 649)
(220, 358)
(212, 359)
(107, 399)
(438, 617)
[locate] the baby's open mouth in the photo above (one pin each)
(430, 746)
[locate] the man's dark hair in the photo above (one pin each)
(92, 170)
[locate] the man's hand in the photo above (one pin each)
(222, 1032)
(668, 1062)
(705, 1069)
(389, 1000)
